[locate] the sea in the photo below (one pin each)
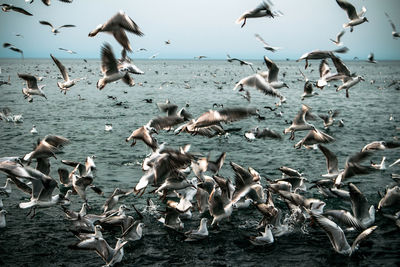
(371, 113)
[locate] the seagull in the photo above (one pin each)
(114, 198)
(380, 145)
(395, 33)
(144, 133)
(67, 50)
(34, 130)
(266, 45)
(32, 87)
(13, 48)
(371, 58)
(391, 198)
(125, 64)
(314, 137)
(42, 189)
(258, 133)
(308, 88)
(220, 206)
(55, 30)
(134, 232)
(320, 54)
(273, 71)
(199, 234)
(259, 82)
(109, 255)
(262, 10)
(109, 67)
(108, 127)
(350, 83)
(47, 147)
(355, 19)
(48, 2)
(167, 42)
(6, 189)
(353, 167)
(338, 36)
(200, 57)
(337, 237)
(299, 122)
(117, 25)
(266, 237)
(67, 83)
(213, 117)
(7, 8)
(329, 119)
(242, 62)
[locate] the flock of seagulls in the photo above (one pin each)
(188, 182)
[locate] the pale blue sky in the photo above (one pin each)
(202, 27)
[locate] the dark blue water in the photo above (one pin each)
(44, 240)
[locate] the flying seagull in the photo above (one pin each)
(266, 45)
(355, 19)
(117, 25)
(55, 30)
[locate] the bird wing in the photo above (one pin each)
(21, 10)
(339, 35)
(349, 8)
(344, 217)
(362, 236)
(64, 176)
(66, 26)
(165, 122)
(331, 159)
(339, 65)
(30, 80)
(264, 87)
(273, 69)
(125, 22)
(334, 232)
(122, 39)
(108, 62)
(43, 22)
(324, 68)
(61, 67)
(300, 117)
(56, 140)
(359, 203)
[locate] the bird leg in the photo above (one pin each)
(30, 210)
(34, 212)
(291, 136)
(133, 142)
(244, 22)
(141, 194)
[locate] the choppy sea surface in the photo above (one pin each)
(44, 240)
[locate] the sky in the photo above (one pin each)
(202, 27)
